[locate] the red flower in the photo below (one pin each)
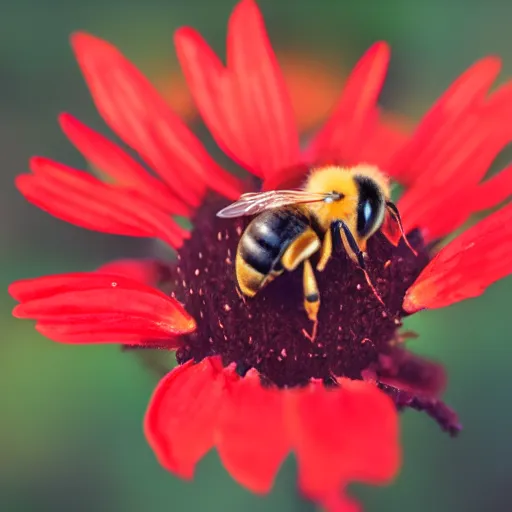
(248, 382)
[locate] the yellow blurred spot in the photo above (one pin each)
(314, 86)
(173, 88)
(398, 122)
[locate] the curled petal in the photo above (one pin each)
(119, 165)
(81, 199)
(134, 110)
(183, 414)
(246, 105)
(109, 308)
(466, 266)
(411, 373)
(252, 440)
(345, 434)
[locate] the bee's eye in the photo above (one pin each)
(369, 209)
(366, 217)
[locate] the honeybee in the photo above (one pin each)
(337, 207)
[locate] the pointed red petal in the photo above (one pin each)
(452, 150)
(79, 198)
(133, 109)
(493, 191)
(118, 165)
(246, 106)
(440, 201)
(183, 414)
(344, 134)
(438, 125)
(214, 94)
(263, 90)
(345, 434)
(252, 439)
(466, 266)
(100, 304)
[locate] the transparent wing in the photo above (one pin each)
(253, 203)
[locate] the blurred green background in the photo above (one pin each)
(70, 417)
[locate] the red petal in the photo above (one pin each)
(442, 200)
(99, 304)
(466, 266)
(493, 191)
(252, 439)
(345, 132)
(133, 109)
(79, 198)
(144, 271)
(183, 413)
(46, 286)
(114, 330)
(437, 126)
(121, 167)
(246, 106)
(341, 435)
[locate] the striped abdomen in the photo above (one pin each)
(274, 241)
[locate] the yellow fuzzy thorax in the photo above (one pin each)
(341, 180)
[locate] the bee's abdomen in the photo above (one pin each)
(262, 245)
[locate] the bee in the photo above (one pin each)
(339, 207)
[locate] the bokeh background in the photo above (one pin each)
(70, 417)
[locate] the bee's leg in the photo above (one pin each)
(393, 211)
(311, 298)
(360, 258)
(325, 251)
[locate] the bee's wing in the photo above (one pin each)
(253, 203)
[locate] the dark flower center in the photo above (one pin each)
(266, 332)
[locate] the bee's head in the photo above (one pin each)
(356, 195)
